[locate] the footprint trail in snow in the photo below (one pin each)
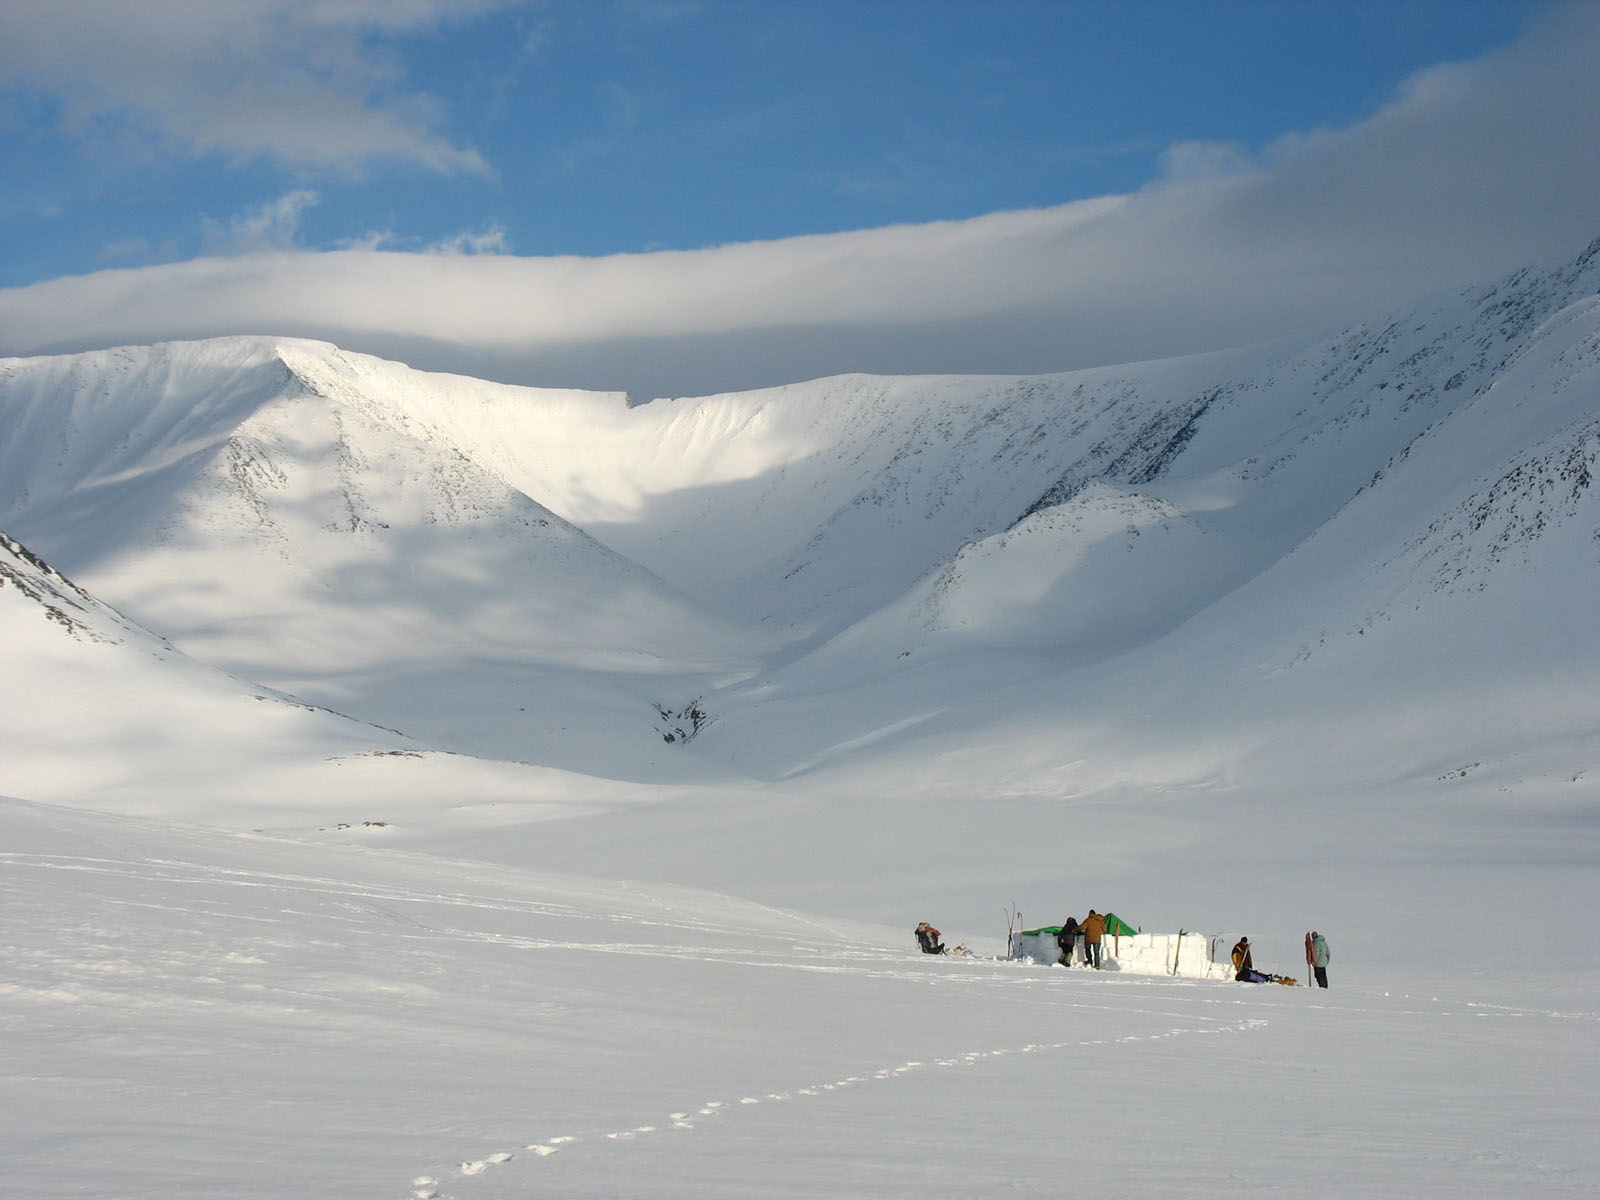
(428, 1187)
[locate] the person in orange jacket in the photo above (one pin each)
(1093, 930)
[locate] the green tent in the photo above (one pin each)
(1117, 927)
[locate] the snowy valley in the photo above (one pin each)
(531, 792)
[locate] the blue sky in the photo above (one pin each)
(605, 127)
(144, 137)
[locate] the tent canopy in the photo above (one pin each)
(1115, 926)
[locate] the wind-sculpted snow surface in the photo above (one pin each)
(187, 1011)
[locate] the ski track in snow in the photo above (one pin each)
(427, 1187)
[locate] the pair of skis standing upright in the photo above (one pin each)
(1313, 978)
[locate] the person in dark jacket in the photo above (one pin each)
(1094, 929)
(928, 939)
(1067, 939)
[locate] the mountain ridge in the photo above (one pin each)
(440, 555)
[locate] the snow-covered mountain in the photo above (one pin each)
(1344, 566)
(1431, 472)
(100, 712)
(313, 522)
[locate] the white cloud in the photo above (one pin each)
(1471, 170)
(298, 81)
(487, 241)
(273, 226)
(375, 239)
(1189, 162)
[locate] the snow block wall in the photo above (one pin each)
(1193, 955)
(1190, 954)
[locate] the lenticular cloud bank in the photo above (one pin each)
(1234, 640)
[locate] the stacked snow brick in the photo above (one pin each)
(1193, 955)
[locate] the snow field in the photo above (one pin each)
(189, 1010)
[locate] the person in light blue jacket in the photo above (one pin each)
(1319, 958)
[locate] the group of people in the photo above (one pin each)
(1316, 958)
(1089, 934)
